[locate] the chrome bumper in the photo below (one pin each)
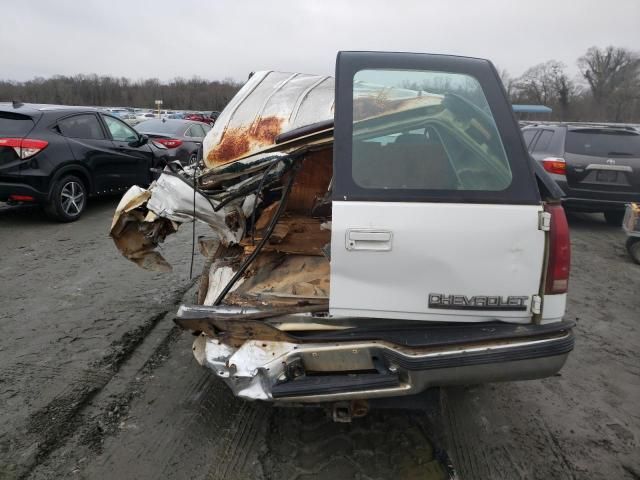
(341, 370)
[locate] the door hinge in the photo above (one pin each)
(544, 221)
(536, 304)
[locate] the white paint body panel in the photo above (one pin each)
(447, 248)
(553, 308)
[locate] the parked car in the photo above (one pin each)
(182, 138)
(142, 116)
(597, 166)
(402, 239)
(60, 156)
(200, 117)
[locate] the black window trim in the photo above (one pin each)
(523, 188)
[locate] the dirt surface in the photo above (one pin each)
(95, 382)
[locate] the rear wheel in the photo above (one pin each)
(614, 217)
(68, 199)
(633, 247)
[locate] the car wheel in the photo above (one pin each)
(614, 217)
(68, 199)
(193, 158)
(633, 247)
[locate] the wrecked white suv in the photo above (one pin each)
(371, 236)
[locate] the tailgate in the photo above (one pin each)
(447, 262)
(435, 205)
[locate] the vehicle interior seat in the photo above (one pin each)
(412, 161)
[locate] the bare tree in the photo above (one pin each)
(507, 81)
(546, 83)
(613, 76)
(94, 90)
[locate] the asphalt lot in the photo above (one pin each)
(96, 383)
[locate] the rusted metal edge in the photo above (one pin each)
(236, 329)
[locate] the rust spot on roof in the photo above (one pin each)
(234, 144)
(240, 141)
(267, 129)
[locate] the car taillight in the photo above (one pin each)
(555, 165)
(559, 262)
(169, 142)
(24, 147)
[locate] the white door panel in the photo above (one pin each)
(388, 257)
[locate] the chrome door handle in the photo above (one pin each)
(369, 239)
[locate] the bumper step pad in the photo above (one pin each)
(327, 384)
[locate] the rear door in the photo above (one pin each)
(90, 146)
(435, 205)
(606, 160)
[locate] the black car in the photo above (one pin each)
(182, 138)
(58, 156)
(597, 166)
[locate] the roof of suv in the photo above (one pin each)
(34, 108)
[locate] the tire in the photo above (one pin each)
(193, 158)
(633, 247)
(614, 217)
(68, 199)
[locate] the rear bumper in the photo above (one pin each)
(8, 188)
(592, 205)
(286, 371)
(595, 200)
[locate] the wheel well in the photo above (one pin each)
(79, 172)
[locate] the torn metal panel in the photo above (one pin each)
(172, 197)
(144, 218)
(133, 198)
(269, 104)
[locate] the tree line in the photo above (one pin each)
(607, 88)
(106, 91)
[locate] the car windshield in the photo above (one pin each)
(603, 143)
(159, 126)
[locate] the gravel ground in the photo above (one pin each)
(95, 382)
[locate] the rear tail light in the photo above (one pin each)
(24, 147)
(555, 165)
(21, 198)
(559, 262)
(169, 142)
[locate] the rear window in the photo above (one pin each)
(158, 126)
(542, 144)
(14, 124)
(528, 136)
(425, 130)
(603, 143)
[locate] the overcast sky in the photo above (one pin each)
(215, 39)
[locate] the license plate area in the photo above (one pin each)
(606, 176)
